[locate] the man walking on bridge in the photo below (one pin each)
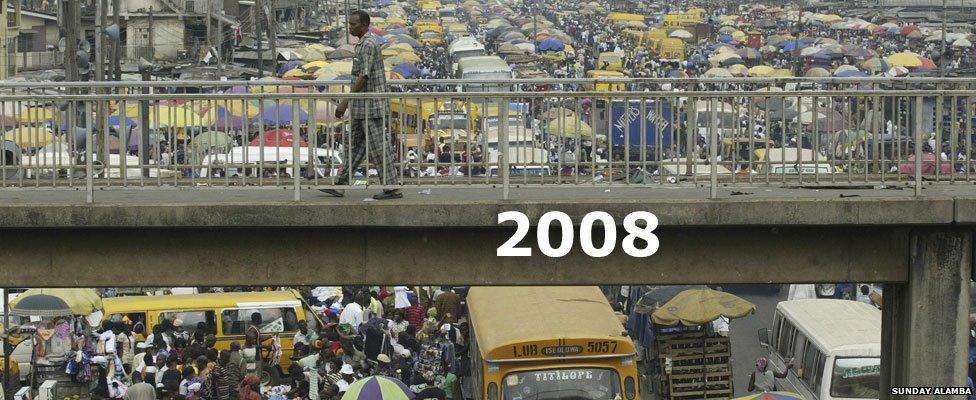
(367, 123)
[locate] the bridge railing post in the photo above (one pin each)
(295, 155)
(919, 127)
(503, 161)
(712, 149)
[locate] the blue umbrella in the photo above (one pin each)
(551, 44)
(380, 40)
(518, 107)
(408, 70)
(725, 38)
(227, 121)
(716, 46)
(822, 57)
(382, 3)
(792, 45)
(731, 61)
(403, 38)
(851, 74)
(398, 31)
(114, 121)
(698, 59)
(280, 115)
(289, 66)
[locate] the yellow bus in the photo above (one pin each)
(548, 342)
(226, 316)
(428, 31)
(439, 120)
(610, 61)
(605, 87)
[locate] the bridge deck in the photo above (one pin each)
(470, 207)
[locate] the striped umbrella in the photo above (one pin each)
(378, 388)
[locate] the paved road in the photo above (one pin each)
(745, 342)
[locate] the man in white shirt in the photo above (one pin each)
(353, 314)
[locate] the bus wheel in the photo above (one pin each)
(270, 376)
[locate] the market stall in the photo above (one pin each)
(59, 324)
(690, 353)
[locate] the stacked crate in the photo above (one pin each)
(695, 366)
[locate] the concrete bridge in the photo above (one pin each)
(920, 247)
(855, 215)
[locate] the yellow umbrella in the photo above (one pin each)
(739, 36)
(726, 29)
(388, 52)
(170, 117)
(319, 47)
(567, 127)
(761, 71)
(817, 72)
(238, 108)
(56, 302)
(295, 73)
(782, 73)
(341, 67)
(700, 306)
(907, 60)
(725, 50)
(410, 57)
(315, 64)
(718, 72)
(30, 136)
(33, 115)
(738, 70)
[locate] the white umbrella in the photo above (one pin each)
(809, 51)
(681, 34)
(962, 43)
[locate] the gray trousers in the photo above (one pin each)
(370, 134)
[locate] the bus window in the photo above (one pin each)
(796, 350)
(809, 364)
(191, 319)
(273, 320)
(818, 378)
(856, 377)
(785, 338)
(576, 383)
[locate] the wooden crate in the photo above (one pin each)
(694, 359)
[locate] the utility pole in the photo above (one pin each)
(117, 44)
(69, 12)
(3, 41)
(272, 21)
(258, 33)
(796, 44)
(152, 38)
(220, 43)
(942, 57)
(98, 75)
(209, 10)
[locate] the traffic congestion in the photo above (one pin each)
(421, 342)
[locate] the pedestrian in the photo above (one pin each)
(252, 342)
(762, 379)
(414, 314)
(367, 126)
(448, 304)
(235, 367)
(139, 390)
(249, 388)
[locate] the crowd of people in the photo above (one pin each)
(380, 331)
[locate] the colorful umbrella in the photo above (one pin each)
(278, 138)
(699, 306)
(906, 60)
(280, 114)
(761, 71)
(876, 64)
(718, 73)
(378, 388)
(30, 136)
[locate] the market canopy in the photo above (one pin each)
(700, 306)
(56, 302)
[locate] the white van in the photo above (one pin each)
(834, 345)
(485, 68)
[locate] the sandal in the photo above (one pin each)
(389, 194)
(334, 192)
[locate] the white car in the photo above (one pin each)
(327, 162)
(47, 161)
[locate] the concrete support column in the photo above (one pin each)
(925, 322)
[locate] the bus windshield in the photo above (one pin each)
(856, 378)
(449, 121)
(569, 383)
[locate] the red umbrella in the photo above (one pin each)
(927, 64)
(377, 31)
(279, 138)
(907, 29)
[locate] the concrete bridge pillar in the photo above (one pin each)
(925, 320)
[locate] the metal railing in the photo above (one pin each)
(491, 133)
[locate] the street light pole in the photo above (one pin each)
(942, 54)
(796, 44)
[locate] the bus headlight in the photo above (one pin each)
(492, 391)
(629, 360)
(630, 389)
